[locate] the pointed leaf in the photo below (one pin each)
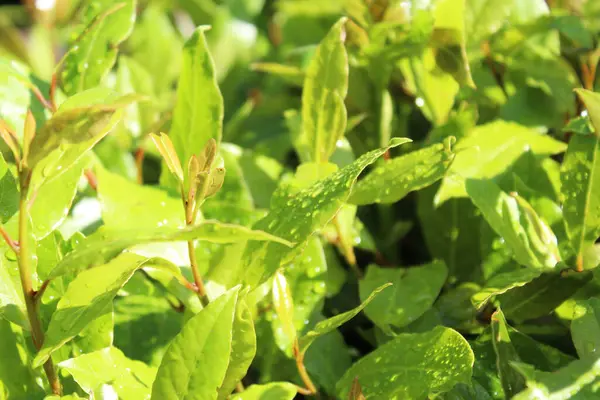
(243, 349)
(512, 381)
(531, 241)
(578, 380)
(87, 298)
(580, 177)
(332, 323)
(167, 151)
(94, 51)
(198, 113)
(196, 361)
(413, 292)
(393, 180)
(412, 366)
(325, 87)
(297, 217)
(488, 151)
(105, 244)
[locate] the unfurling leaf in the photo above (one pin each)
(167, 151)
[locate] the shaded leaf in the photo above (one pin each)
(585, 328)
(512, 381)
(413, 292)
(332, 323)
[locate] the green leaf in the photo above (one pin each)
(503, 282)
(16, 95)
(585, 328)
(452, 233)
(93, 52)
(578, 380)
(413, 292)
(110, 369)
(198, 113)
(531, 241)
(325, 87)
(332, 323)
(413, 366)
(184, 372)
(580, 177)
(125, 204)
(9, 192)
(75, 128)
(17, 379)
(88, 296)
(512, 381)
(270, 391)
(153, 41)
(542, 295)
(52, 201)
(450, 41)
(101, 246)
(243, 349)
(488, 151)
(393, 180)
(12, 303)
(296, 217)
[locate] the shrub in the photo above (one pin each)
(347, 199)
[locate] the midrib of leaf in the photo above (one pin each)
(588, 194)
(532, 297)
(94, 37)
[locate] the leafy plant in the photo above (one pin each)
(279, 199)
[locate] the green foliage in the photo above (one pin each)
(250, 199)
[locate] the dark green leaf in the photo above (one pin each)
(332, 323)
(413, 292)
(512, 381)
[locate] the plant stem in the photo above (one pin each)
(310, 386)
(11, 243)
(25, 272)
(191, 210)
